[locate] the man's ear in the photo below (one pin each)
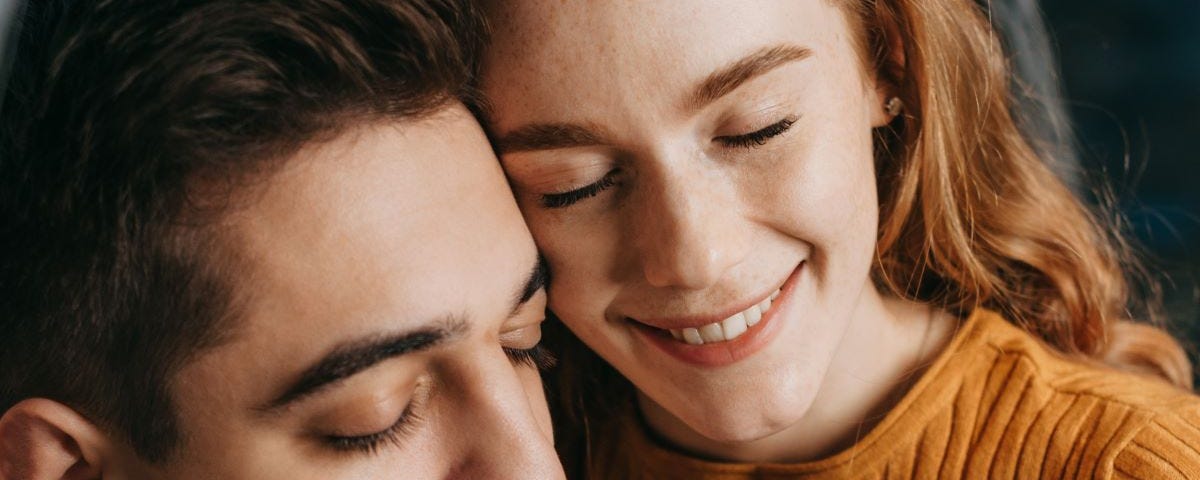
(42, 440)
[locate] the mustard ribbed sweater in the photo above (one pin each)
(996, 404)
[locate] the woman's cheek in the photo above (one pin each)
(582, 260)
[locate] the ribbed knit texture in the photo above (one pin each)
(996, 404)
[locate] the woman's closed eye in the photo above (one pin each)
(571, 197)
(753, 139)
(758, 137)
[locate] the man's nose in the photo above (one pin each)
(502, 434)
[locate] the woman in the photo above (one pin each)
(813, 240)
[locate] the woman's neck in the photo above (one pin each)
(883, 352)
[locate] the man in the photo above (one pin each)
(261, 239)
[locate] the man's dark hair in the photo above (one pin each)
(126, 123)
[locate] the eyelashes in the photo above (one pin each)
(537, 357)
(757, 138)
(566, 199)
(410, 420)
(371, 443)
(754, 139)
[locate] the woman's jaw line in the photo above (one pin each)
(831, 417)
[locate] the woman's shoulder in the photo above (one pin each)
(1006, 345)
(1089, 419)
(997, 403)
(1167, 445)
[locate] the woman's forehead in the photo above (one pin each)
(545, 63)
(575, 33)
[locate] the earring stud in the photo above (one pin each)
(894, 106)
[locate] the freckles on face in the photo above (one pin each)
(559, 64)
(703, 155)
(825, 192)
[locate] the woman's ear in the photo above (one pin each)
(889, 72)
(42, 440)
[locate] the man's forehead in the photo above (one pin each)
(333, 254)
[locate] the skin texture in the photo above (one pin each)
(375, 233)
(690, 225)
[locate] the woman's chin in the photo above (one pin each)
(731, 424)
(742, 432)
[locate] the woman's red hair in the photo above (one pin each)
(972, 217)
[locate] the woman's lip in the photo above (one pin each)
(702, 320)
(725, 353)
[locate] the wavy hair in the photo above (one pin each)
(972, 216)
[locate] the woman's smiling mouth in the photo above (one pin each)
(707, 342)
(728, 329)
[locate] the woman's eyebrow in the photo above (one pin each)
(554, 136)
(728, 78)
(549, 136)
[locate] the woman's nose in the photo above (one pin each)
(685, 228)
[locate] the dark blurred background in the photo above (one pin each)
(1130, 81)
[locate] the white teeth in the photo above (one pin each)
(765, 305)
(753, 315)
(735, 325)
(712, 333)
(727, 329)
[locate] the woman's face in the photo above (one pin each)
(700, 179)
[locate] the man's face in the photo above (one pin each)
(386, 271)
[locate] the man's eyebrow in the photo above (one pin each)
(548, 136)
(728, 78)
(349, 358)
(537, 278)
